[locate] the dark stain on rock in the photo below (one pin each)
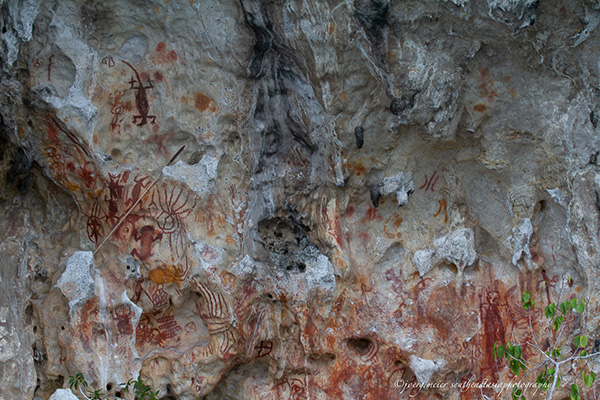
(372, 16)
(281, 85)
(359, 134)
(257, 19)
(594, 119)
(18, 171)
(375, 193)
(399, 104)
(594, 158)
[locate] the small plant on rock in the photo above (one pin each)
(557, 356)
(137, 389)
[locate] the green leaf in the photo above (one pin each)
(556, 353)
(580, 341)
(574, 388)
(550, 310)
(515, 366)
(557, 322)
(95, 394)
(516, 393)
(564, 306)
(588, 379)
(508, 348)
(518, 351)
(580, 307)
(526, 297)
(583, 353)
(573, 303)
(569, 279)
(498, 351)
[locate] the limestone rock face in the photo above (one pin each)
(292, 199)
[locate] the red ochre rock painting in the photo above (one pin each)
(253, 263)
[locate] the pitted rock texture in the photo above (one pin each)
(364, 190)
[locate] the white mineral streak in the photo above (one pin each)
(401, 185)
(77, 281)
(425, 369)
(199, 177)
(458, 248)
(520, 240)
(63, 394)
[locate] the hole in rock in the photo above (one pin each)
(296, 267)
(108, 387)
(360, 345)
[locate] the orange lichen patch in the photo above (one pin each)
(184, 100)
(513, 92)
(72, 186)
(331, 28)
(202, 103)
(480, 107)
(343, 96)
(167, 274)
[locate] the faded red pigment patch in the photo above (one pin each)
(162, 55)
(202, 103)
(480, 107)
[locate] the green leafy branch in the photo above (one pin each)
(550, 376)
(137, 388)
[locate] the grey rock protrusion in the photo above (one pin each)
(400, 184)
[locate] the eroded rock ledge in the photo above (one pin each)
(366, 189)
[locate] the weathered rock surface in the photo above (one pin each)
(366, 189)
